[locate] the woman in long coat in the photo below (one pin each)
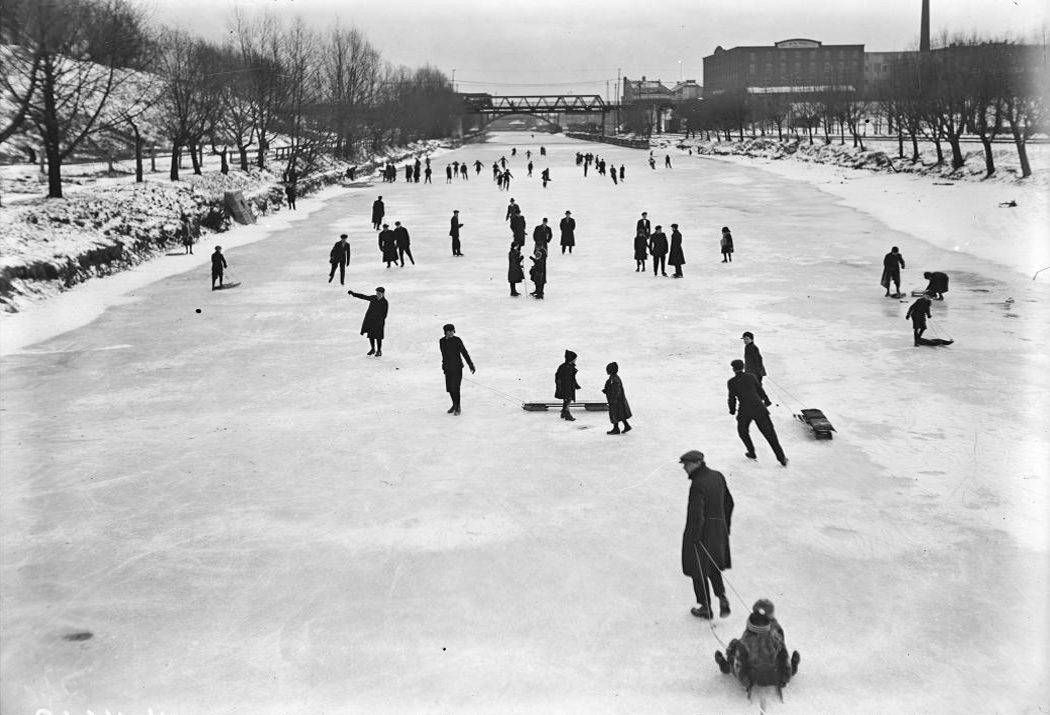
(676, 257)
(515, 274)
(619, 410)
(375, 319)
(641, 251)
(388, 245)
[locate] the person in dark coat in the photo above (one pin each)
(619, 410)
(918, 313)
(745, 389)
(568, 232)
(726, 245)
(760, 655)
(676, 256)
(403, 243)
(290, 193)
(512, 209)
(565, 385)
(658, 249)
(388, 245)
(892, 263)
(538, 272)
(375, 319)
(339, 257)
(641, 251)
(453, 352)
(515, 273)
(752, 357)
(542, 236)
(643, 226)
(218, 266)
(454, 233)
(938, 283)
(518, 228)
(705, 541)
(378, 211)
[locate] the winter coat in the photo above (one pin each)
(618, 407)
(565, 386)
(340, 253)
(378, 211)
(375, 316)
(747, 390)
(919, 312)
(538, 272)
(676, 257)
(726, 242)
(568, 231)
(388, 245)
(641, 247)
(401, 237)
(542, 235)
(517, 227)
(643, 227)
(938, 282)
(891, 269)
(454, 226)
(707, 523)
(753, 361)
(515, 274)
(451, 351)
(658, 244)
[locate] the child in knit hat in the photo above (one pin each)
(759, 656)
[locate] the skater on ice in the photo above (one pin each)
(565, 385)
(619, 410)
(387, 245)
(568, 232)
(454, 233)
(538, 272)
(515, 273)
(676, 256)
(760, 655)
(404, 243)
(453, 353)
(748, 401)
(218, 266)
(375, 319)
(641, 251)
(378, 211)
(705, 541)
(542, 236)
(752, 357)
(892, 263)
(658, 249)
(339, 257)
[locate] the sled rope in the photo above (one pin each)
(782, 393)
(504, 395)
(661, 466)
(938, 331)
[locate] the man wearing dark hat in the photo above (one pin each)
(568, 232)
(705, 542)
(892, 263)
(745, 389)
(378, 211)
(339, 257)
(375, 319)
(453, 352)
(403, 243)
(453, 231)
(752, 357)
(565, 385)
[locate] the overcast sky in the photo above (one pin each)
(578, 46)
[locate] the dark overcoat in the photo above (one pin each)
(538, 272)
(568, 231)
(515, 274)
(658, 243)
(378, 211)
(707, 522)
(753, 361)
(375, 316)
(340, 253)
(618, 407)
(565, 386)
(747, 390)
(388, 244)
(676, 257)
(641, 247)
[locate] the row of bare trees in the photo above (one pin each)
(969, 88)
(88, 76)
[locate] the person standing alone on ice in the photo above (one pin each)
(726, 244)
(452, 349)
(568, 232)
(454, 233)
(745, 389)
(565, 385)
(375, 319)
(339, 257)
(752, 357)
(378, 211)
(218, 265)
(705, 541)
(892, 263)
(619, 410)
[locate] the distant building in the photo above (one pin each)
(789, 66)
(687, 91)
(643, 90)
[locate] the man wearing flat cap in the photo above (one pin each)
(705, 542)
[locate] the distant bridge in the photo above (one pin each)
(491, 107)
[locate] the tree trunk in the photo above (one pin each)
(54, 172)
(900, 142)
(176, 158)
(195, 158)
(1022, 152)
(957, 155)
(52, 141)
(989, 160)
(225, 168)
(243, 151)
(138, 155)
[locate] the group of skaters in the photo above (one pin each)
(919, 311)
(585, 160)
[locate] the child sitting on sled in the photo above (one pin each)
(759, 656)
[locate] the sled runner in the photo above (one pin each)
(544, 406)
(817, 422)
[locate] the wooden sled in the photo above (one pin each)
(544, 406)
(817, 422)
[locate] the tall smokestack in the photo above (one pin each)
(924, 27)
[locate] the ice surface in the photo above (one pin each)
(250, 516)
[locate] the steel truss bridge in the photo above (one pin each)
(491, 107)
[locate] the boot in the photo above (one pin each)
(701, 612)
(614, 430)
(723, 664)
(795, 658)
(723, 607)
(567, 416)
(626, 427)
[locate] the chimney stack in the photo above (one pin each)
(924, 27)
